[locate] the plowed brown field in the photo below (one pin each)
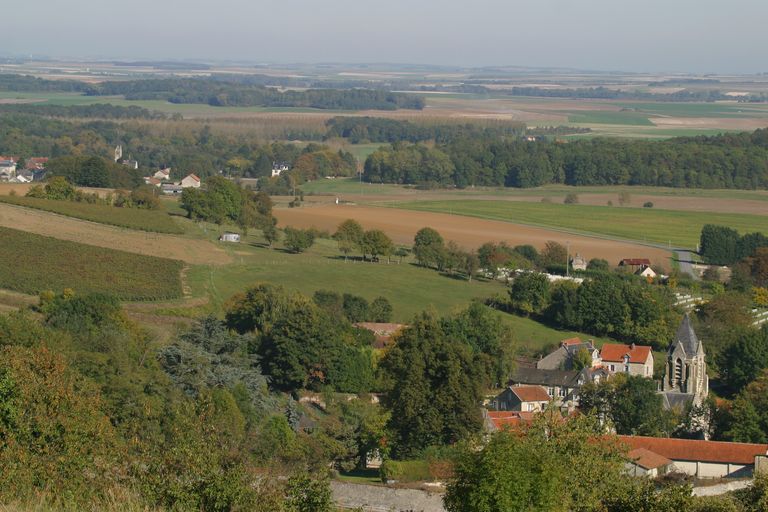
(468, 232)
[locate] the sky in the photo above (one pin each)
(699, 36)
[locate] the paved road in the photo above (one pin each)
(685, 259)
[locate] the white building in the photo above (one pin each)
(229, 237)
(190, 181)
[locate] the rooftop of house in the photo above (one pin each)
(647, 459)
(530, 393)
(507, 419)
(694, 450)
(635, 261)
(615, 352)
(536, 376)
(193, 176)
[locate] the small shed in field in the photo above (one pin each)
(229, 237)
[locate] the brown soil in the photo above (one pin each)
(469, 232)
(196, 252)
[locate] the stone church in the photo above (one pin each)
(685, 375)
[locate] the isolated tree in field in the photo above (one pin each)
(349, 236)
(571, 198)
(625, 198)
(270, 233)
(59, 189)
(377, 243)
(298, 240)
(428, 247)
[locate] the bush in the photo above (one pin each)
(405, 471)
(571, 198)
(648, 204)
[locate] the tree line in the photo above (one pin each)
(220, 92)
(721, 161)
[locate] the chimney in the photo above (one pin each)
(632, 346)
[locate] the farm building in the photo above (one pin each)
(635, 263)
(522, 399)
(170, 189)
(278, 168)
(646, 272)
(163, 174)
(190, 181)
(644, 462)
(229, 237)
(701, 459)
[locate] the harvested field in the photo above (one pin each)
(468, 232)
(196, 252)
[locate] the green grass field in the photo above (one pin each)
(680, 228)
(133, 218)
(353, 186)
(33, 263)
(609, 117)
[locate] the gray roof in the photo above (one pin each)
(544, 377)
(686, 337)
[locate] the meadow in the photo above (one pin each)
(680, 229)
(34, 263)
(156, 221)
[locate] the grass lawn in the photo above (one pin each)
(680, 228)
(610, 117)
(34, 263)
(361, 476)
(143, 220)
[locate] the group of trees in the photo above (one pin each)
(360, 130)
(353, 308)
(94, 171)
(605, 305)
(721, 161)
(722, 245)
(436, 374)
(299, 345)
(58, 188)
(430, 250)
(90, 413)
(351, 236)
(223, 200)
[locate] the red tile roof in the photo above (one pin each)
(647, 459)
(509, 419)
(530, 393)
(702, 451)
(635, 261)
(615, 353)
(571, 341)
(194, 177)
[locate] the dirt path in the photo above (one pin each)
(402, 225)
(191, 251)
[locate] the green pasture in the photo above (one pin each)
(353, 186)
(680, 228)
(609, 117)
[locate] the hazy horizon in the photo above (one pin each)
(656, 36)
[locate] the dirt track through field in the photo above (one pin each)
(196, 252)
(468, 232)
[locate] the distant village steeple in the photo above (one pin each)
(685, 373)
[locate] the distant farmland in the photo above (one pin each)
(36, 263)
(680, 228)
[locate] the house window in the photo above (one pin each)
(562, 392)
(551, 391)
(626, 368)
(613, 368)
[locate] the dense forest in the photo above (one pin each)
(722, 161)
(97, 111)
(220, 93)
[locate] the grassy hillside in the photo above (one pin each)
(680, 228)
(143, 220)
(34, 263)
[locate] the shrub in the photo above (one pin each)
(571, 198)
(405, 471)
(648, 204)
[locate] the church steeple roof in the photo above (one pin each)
(686, 337)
